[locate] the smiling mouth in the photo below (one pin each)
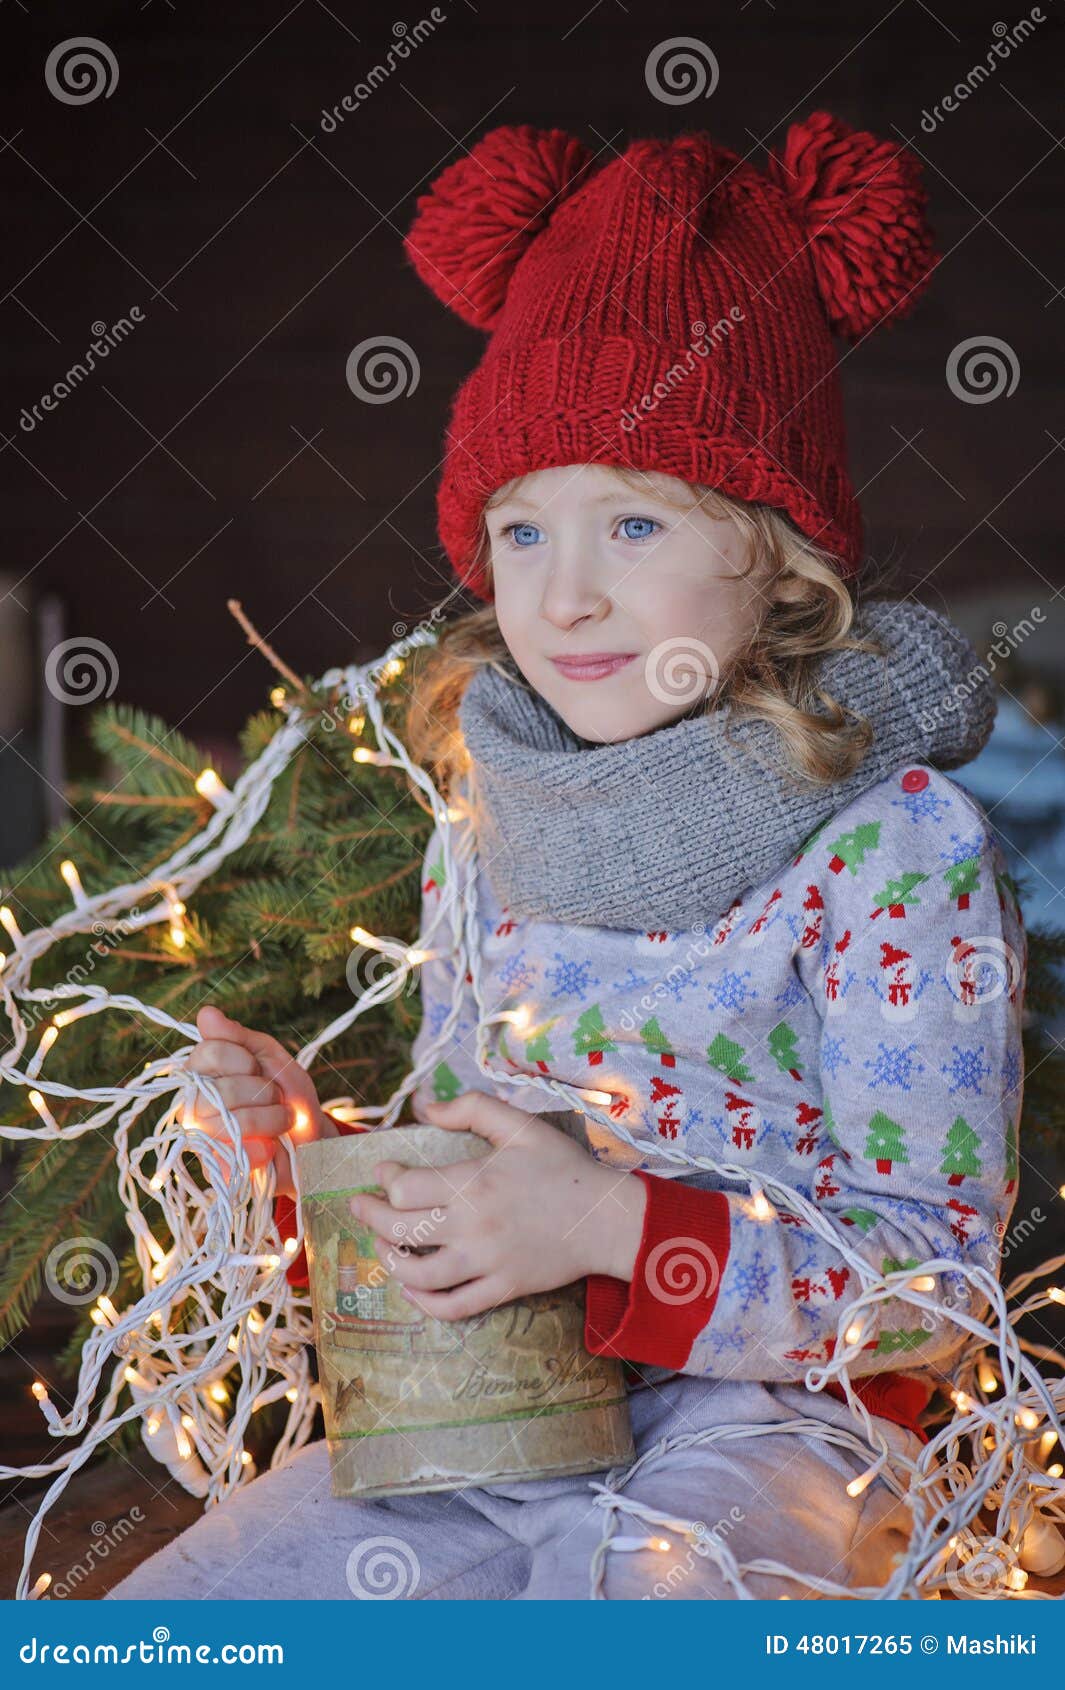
(592, 666)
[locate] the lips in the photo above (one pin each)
(592, 665)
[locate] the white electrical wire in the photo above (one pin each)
(206, 1243)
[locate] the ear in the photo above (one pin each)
(862, 203)
(483, 212)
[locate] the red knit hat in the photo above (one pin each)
(670, 308)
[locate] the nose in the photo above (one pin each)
(573, 591)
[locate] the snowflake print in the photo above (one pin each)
(1011, 1071)
(752, 1280)
(922, 806)
(894, 1068)
(794, 993)
(731, 992)
(833, 1056)
(966, 1070)
(516, 974)
(734, 1339)
(962, 849)
(436, 1013)
(574, 979)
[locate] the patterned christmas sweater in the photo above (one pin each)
(851, 1028)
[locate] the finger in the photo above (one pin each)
(221, 1056)
(418, 1188)
(221, 1026)
(414, 1226)
(462, 1302)
(479, 1112)
(269, 1122)
(241, 1091)
(442, 1270)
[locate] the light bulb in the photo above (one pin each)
(209, 785)
(72, 878)
(39, 1390)
(856, 1486)
(1056, 1294)
(277, 697)
(1028, 1418)
(924, 1282)
(988, 1379)
(962, 1401)
(291, 1245)
(763, 1208)
(291, 1394)
(40, 1586)
(7, 916)
(853, 1334)
(219, 1393)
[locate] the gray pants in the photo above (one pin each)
(780, 1495)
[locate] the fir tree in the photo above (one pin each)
(851, 849)
(960, 1158)
(962, 879)
(885, 1142)
(656, 1043)
(590, 1036)
(783, 1049)
(726, 1056)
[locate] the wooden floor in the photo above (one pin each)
(93, 1537)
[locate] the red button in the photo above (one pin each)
(915, 780)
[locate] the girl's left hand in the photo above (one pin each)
(535, 1213)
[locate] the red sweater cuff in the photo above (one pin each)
(298, 1273)
(656, 1316)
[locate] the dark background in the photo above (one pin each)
(220, 450)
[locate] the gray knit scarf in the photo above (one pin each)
(663, 831)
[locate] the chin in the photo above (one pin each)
(606, 723)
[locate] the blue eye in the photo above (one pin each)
(645, 524)
(523, 533)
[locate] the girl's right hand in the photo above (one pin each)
(263, 1086)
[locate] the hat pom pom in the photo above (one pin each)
(483, 212)
(862, 202)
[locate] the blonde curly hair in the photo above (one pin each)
(809, 611)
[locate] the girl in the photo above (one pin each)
(723, 882)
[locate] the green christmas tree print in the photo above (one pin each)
(851, 849)
(657, 1044)
(726, 1056)
(437, 875)
(891, 1264)
(446, 1084)
(1011, 1156)
(884, 1142)
(782, 1048)
(963, 878)
(590, 1036)
(901, 1339)
(896, 894)
(863, 1219)
(961, 1156)
(830, 1124)
(538, 1047)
